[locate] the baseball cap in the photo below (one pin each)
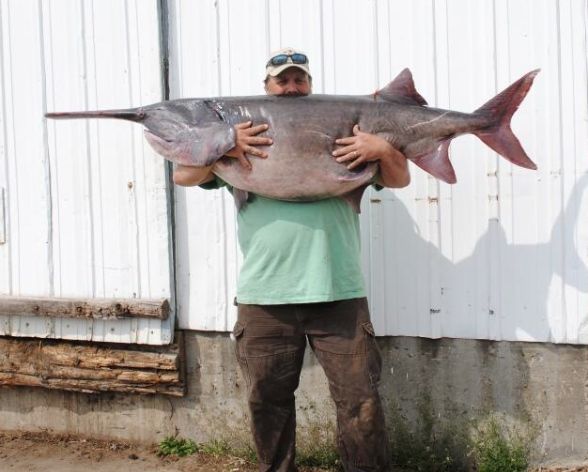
(285, 58)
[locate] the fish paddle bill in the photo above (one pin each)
(499, 110)
(131, 114)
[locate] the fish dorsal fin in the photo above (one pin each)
(402, 86)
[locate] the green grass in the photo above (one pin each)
(452, 443)
(324, 456)
(171, 446)
(497, 449)
(319, 453)
(432, 446)
(217, 448)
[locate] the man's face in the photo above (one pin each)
(293, 82)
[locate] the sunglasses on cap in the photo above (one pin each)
(295, 58)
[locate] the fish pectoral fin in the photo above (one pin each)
(353, 198)
(402, 86)
(240, 197)
(197, 147)
(437, 163)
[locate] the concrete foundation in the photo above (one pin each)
(430, 388)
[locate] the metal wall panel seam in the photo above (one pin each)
(2, 215)
(90, 217)
(493, 254)
(89, 201)
(433, 186)
(164, 17)
(51, 176)
(561, 169)
(46, 159)
(572, 292)
(502, 44)
(131, 193)
(321, 58)
(11, 171)
(568, 182)
(92, 153)
(137, 148)
(7, 249)
(95, 170)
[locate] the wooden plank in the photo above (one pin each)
(86, 355)
(92, 368)
(88, 386)
(96, 308)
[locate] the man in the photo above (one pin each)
(301, 280)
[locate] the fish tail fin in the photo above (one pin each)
(131, 114)
(499, 111)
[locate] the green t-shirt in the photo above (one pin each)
(298, 252)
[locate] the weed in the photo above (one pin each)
(171, 446)
(498, 449)
(247, 453)
(324, 456)
(430, 447)
(216, 447)
(318, 447)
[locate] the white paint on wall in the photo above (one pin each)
(86, 200)
(503, 253)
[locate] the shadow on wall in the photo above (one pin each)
(506, 291)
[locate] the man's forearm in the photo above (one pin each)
(393, 170)
(188, 176)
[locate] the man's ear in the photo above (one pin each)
(265, 82)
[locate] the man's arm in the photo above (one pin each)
(365, 147)
(188, 176)
(245, 143)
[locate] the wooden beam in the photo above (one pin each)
(93, 368)
(95, 308)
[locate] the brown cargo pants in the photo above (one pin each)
(270, 348)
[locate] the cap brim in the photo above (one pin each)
(277, 70)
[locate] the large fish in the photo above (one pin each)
(300, 167)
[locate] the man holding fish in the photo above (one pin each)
(300, 282)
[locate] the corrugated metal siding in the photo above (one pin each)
(85, 201)
(503, 254)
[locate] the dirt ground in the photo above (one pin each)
(43, 452)
(32, 452)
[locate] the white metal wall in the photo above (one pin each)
(84, 206)
(503, 254)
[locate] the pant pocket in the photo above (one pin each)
(237, 336)
(373, 354)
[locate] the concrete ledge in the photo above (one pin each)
(542, 387)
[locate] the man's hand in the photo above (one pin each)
(246, 141)
(365, 147)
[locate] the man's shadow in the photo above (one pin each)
(501, 291)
